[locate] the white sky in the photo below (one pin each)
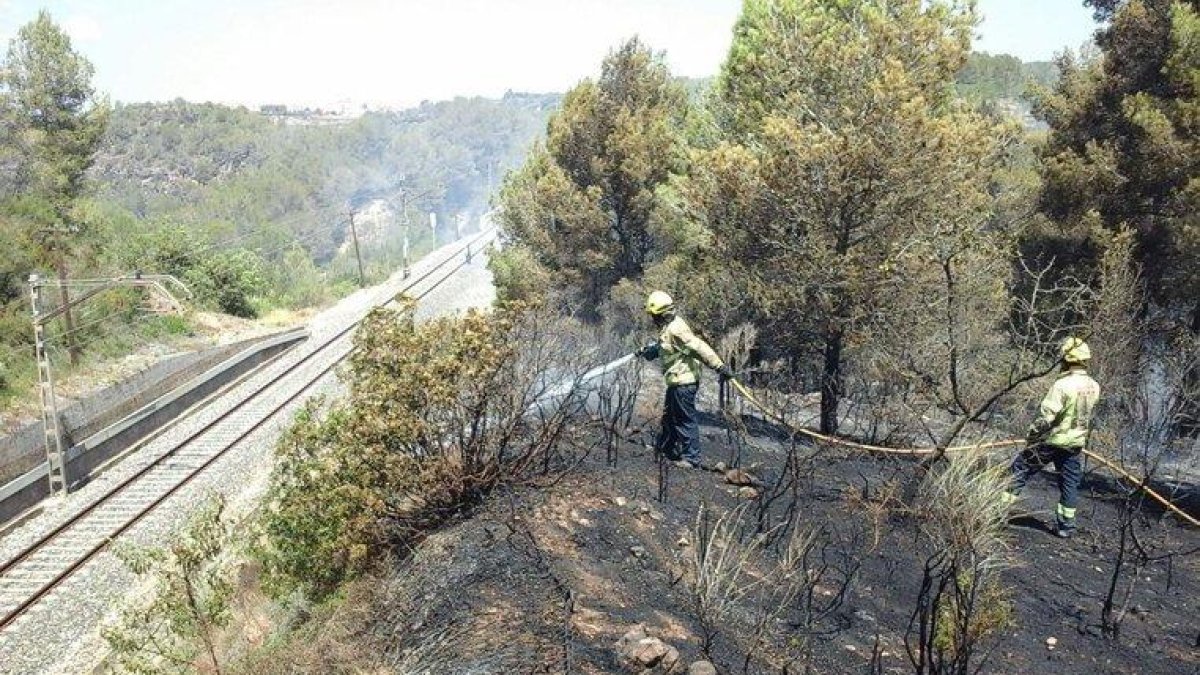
(399, 52)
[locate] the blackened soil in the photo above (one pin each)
(546, 577)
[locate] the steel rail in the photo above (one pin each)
(137, 516)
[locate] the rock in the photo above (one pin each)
(584, 522)
(702, 668)
(638, 551)
(719, 467)
(624, 646)
(683, 542)
(739, 477)
(1051, 642)
(636, 632)
(747, 492)
(649, 652)
(639, 653)
(864, 615)
(620, 501)
(670, 662)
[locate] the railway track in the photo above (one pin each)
(34, 572)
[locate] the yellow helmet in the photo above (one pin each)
(659, 303)
(1075, 350)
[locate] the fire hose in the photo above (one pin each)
(1137, 483)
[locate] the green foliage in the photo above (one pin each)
(54, 121)
(300, 282)
(230, 279)
(50, 99)
(1123, 146)
(582, 204)
(189, 603)
(224, 279)
(959, 629)
(988, 77)
(428, 429)
(827, 169)
(518, 275)
(272, 185)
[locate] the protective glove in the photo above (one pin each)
(725, 373)
(649, 352)
(1037, 432)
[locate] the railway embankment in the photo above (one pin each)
(105, 425)
(59, 569)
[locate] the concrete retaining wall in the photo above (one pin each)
(25, 448)
(144, 404)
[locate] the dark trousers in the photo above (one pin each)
(1069, 464)
(680, 434)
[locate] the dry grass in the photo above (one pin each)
(721, 567)
(963, 508)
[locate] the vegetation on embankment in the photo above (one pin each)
(894, 248)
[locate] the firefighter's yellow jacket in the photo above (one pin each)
(682, 351)
(1065, 415)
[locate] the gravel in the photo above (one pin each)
(61, 633)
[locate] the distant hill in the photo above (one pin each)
(246, 173)
(991, 77)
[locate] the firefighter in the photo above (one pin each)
(681, 352)
(1060, 433)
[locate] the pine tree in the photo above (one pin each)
(57, 122)
(1123, 148)
(842, 136)
(580, 208)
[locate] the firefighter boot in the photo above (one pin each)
(1064, 521)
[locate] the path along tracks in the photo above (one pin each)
(36, 570)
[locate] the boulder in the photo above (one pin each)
(747, 492)
(639, 653)
(739, 477)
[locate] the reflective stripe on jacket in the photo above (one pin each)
(1065, 415)
(682, 351)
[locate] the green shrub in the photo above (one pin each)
(436, 417)
(188, 605)
(228, 280)
(517, 275)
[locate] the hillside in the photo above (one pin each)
(241, 172)
(549, 576)
(252, 213)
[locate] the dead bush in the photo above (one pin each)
(768, 598)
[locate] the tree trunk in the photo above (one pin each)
(831, 383)
(68, 315)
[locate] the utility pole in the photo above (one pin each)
(52, 429)
(362, 279)
(404, 214)
(50, 422)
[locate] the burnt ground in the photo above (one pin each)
(545, 578)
